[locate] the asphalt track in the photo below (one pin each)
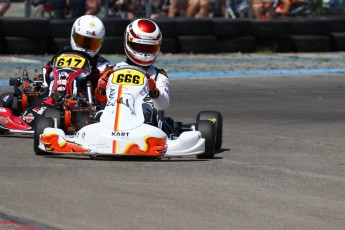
(282, 166)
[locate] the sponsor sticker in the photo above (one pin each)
(29, 118)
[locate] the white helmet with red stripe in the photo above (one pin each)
(87, 34)
(142, 41)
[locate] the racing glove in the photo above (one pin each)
(153, 91)
(102, 82)
(49, 69)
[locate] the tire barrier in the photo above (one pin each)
(184, 35)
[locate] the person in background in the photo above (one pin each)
(283, 7)
(159, 9)
(198, 8)
(178, 8)
(142, 42)
(59, 8)
(263, 9)
(4, 6)
(207, 8)
(92, 7)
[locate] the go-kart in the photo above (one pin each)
(69, 99)
(27, 92)
(125, 129)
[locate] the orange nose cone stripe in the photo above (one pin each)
(118, 105)
(114, 146)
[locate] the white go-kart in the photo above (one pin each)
(128, 127)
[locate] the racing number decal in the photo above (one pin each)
(128, 77)
(71, 61)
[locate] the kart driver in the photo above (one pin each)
(87, 35)
(142, 41)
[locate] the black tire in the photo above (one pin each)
(115, 26)
(217, 120)
(26, 45)
(338, 41)
(53, 113)
(311, 43)
(167, 27)
(225, 28)
(40, 124)
(112, 45)
(30, 27)
(263, 28)
(170, 45)
(61, 28)
(246, 44)
(206, 128)
(83, 119)
(16, 106)
(196, 44)
(61, 43)
(315, 26)
(193, 27)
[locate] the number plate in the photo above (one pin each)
(128, 77)
(70, 61)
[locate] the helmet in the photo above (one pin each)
(142, 41)
(87, 34)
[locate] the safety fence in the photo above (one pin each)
(185, 35)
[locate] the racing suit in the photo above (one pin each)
(33, 112)
(162, 84)
(101, 63)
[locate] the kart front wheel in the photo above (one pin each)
(40, 124)
(55, 114)
(206, 128)
(217, 119)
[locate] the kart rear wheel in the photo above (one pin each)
(53, 113)
(40, 124)
(16, 106)
(83, 119)
(206, 128)
(217, 119)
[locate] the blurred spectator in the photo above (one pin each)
(77, 8)
(4, 6)
(218, 8)
(283, 7)
(42, 7)
(92, 7)
(178, 8)
(59, 7)
(127, 8)
(207, 8)
(160, 8)
(198, 8)
(263, 9)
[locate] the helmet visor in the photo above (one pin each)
(87, 43)
(144, 48)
